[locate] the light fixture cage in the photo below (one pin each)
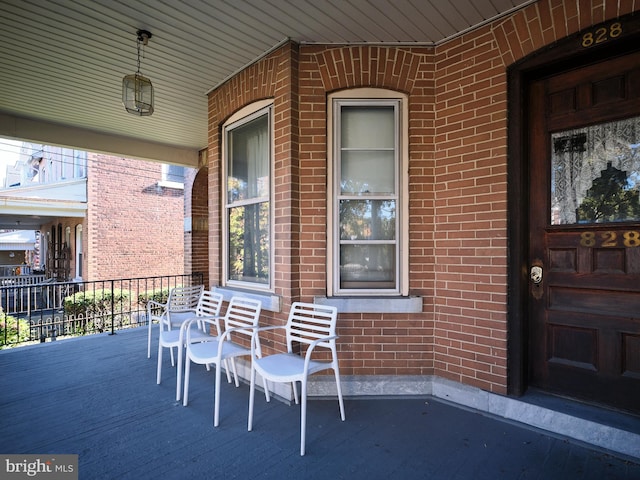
(137, 94)
(137, 90)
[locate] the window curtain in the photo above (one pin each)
(258, 162)
(367, 150)
(582, 155)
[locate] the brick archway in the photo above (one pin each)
(197, 250)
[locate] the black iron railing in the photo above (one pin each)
(48, 310)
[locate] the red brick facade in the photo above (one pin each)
(457, 185)
(196, 207)
(133, 227)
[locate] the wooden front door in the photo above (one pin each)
(584, 233)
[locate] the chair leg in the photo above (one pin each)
(251, 398)
(173, 362)
(295, 392)
(179, 373)
(159, 373)
(216, 408)
(266, 390)
(235, 371)
(226, 369)
(149, 338)
(339, 389)
(303, 416)
(187, 370)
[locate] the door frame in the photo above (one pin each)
(565, 55)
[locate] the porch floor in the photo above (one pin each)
(97, 397)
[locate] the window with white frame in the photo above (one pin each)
(247, 140)
(172, 176)
(367, 246)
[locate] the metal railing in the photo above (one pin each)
(48, 310)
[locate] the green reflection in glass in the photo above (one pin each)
(249, 243)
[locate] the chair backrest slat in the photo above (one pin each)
(184, 297)
(242, 312)
(209, 305)
(308, 322)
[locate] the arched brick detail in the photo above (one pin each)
(547, 21)
(199, 251)
(368, 66)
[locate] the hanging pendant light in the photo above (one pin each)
(137, 91)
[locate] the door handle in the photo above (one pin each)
(536, 274)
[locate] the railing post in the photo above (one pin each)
(113, 307)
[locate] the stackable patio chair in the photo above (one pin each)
(239, 321)
(180, 306)
(310, 325)
(207, 312)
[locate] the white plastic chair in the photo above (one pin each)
(240, 319)
(310, 324)
(208, 309)
(180, 306)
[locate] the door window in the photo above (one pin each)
(595, 174)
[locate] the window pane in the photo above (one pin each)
(367, 127)
(370, 171)
(248, 166)
(367, 266)
(595, 173)
(249, 243)
(175, 173)
(367, 220)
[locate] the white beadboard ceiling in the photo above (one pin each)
(62, 61)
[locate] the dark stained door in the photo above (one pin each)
(584, 256)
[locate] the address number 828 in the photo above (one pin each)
(609, 239)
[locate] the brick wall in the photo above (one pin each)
(471, 185)
(133, 227)
(196, 241)
(269, 78)
(137, 227)
(457, 186)
(384, 344)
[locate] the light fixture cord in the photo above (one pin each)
(138, 44)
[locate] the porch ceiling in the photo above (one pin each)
(63, 60)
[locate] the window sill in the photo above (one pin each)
(410, 304)
(168, 184)
(270, 302)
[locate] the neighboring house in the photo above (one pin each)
(101, 216)
(18, 251)
(410, 186)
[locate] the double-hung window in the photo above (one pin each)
(247, 207)
(367, 251)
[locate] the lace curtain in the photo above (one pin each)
(580, 156)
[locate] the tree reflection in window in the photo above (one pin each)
(584, 182)
(249, 243)
(612, 198)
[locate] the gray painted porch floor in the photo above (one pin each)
(97, 397)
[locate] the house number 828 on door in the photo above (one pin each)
(610, 239)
